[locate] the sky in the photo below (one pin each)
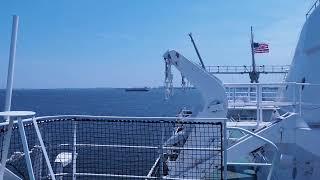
(120, 43)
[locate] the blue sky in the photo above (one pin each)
(105, 43)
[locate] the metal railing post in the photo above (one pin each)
(225, 142)
(249, 93)
(258, 103)
(234, 96)
(294, 97)
(300, 100)
(314, 6)
(43, 148)
(74, 151)
(25, 149)
(161, 151)
(261, 100)
(5, 149)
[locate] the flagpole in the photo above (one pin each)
(253, 74)
(252, 53)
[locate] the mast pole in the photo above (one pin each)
(12, 58)
(254, 76)
(7, 137)
(252, 53)
(197, 51)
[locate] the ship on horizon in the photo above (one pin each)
(143, 89)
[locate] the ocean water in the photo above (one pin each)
(108, 102)
(103, 101)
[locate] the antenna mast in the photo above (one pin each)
(254, 75)
(195, 47)
(12, 58)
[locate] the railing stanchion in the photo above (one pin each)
(294, 97)
(314, 6)
(25, 149)
(74, 150)
(161, 150)
(225, 149)
(249, 93)
(300, 99)
(258, 104)
(261, 100)
(43, 148)
(234, 97)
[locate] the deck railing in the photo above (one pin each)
(259, 96)
(313, 7)
(270, 69)
(99, 147)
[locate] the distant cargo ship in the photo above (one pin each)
(138, 89)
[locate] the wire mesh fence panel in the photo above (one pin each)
(106, 148)
(198, 154)
(54, 133)
(126, 147)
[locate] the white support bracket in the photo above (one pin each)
(43, 148)
(7, 138)
(276, 157)
(19, 115)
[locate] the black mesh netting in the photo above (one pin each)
(89, 148)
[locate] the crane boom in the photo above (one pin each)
(210, 87)
(197, 51)
(215, 106)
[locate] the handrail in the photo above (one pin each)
(267, 84)
(276, 157)
(249, 164)
(187, 120)
(225, 69)
(72, 124)
(313, 7)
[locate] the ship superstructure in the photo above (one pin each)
(286, 137)
(280, 142)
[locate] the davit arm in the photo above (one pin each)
(210, 87)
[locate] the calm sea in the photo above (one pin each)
(109, 102)
(103, 101)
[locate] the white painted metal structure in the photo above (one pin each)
(266, 69)
(12, 56)
(67, 156)
(215, 106)
(305, 69)
(294, 133)
(9, 115)
(211, 88)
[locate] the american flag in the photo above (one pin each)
(260, 47)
